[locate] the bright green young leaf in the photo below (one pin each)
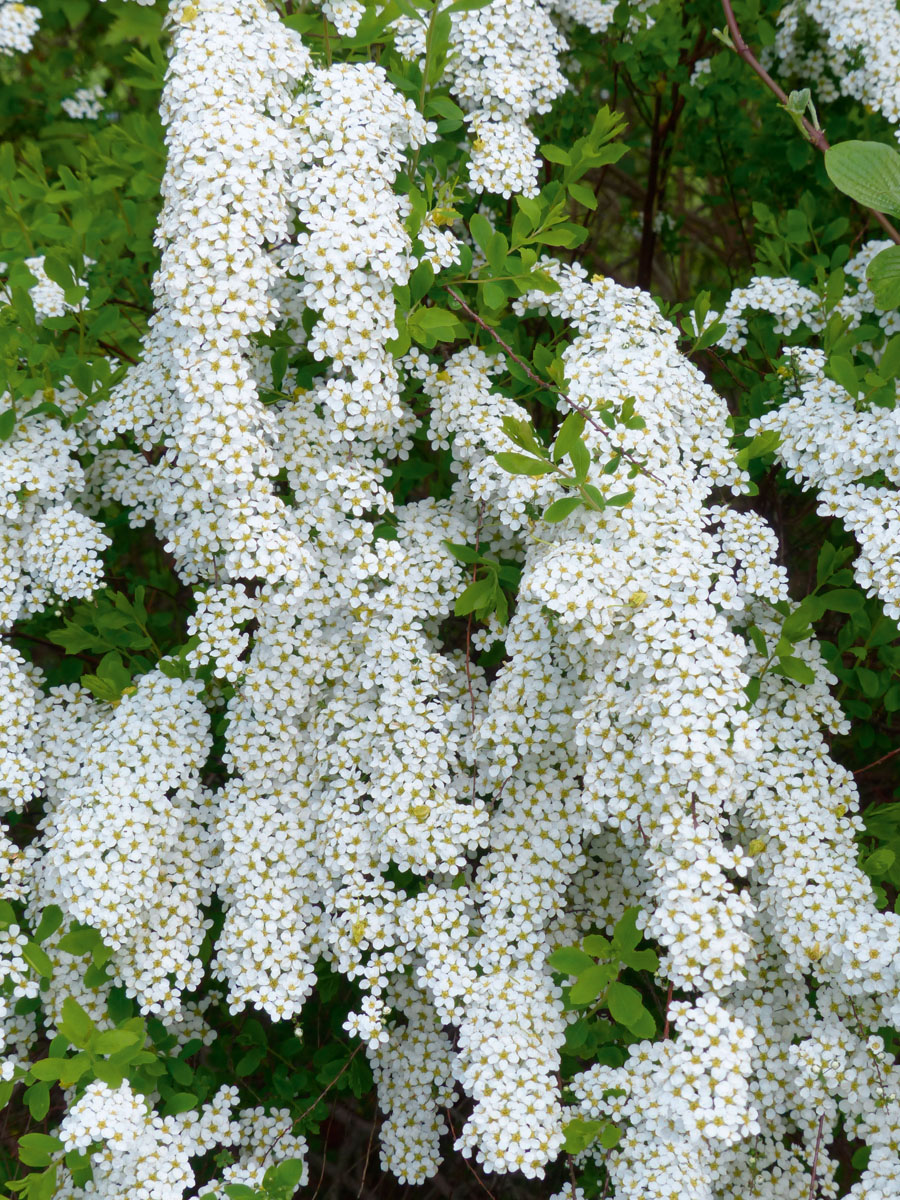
(522, 464)
(477, 596)
(111, 1041)
(51, 919)
(591, 983)
(35, 1149)
(581, 1133)
(868, 172)
(795, 669)
(569, 960)
(626, 934)
(562, 508)
(597, 945)
(764, 443)
(626, 1007)
(569, 435)
(38, 959)
(883, 274)
(76, 1025)
(37, 1099)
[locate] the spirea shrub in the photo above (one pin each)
(450, 589)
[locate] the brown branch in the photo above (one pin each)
(318, 1098)
(484, 1187)
(815, 1161)
(878, 761)
(812, 132)
(108, 346)
(668, 1002)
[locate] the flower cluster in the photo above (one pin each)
(503, 66)
(430, 828)
(856, 54)
(18, 25)
(85, 104)
(48, 298)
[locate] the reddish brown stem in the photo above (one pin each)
(815, 1161)
(878, 761)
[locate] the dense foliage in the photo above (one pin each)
(450, 593)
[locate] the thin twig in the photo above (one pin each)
(666, 1025)
(119, 353)
(321, 1094)
(465, 1159)
(365, 1170)
(813, 134)
(815, 1161)
(878, 761)
(548, 386)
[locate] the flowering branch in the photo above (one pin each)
(546, 385)
(811, 131)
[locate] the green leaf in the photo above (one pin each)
(580, 458)
(420, 281)
(868, 172)
(180, 1102)
(610, 1136)
(591, 983)
(7, 424)
(285, 1177)
(883, 274)
(466, 5)
(569, 435)
(521, 433)
(38, 959)
(569, 960)
(556, 154)
(560, 509)
(72, 1069)
(466, 554)
(51, 919)
(76, 1025)
(111, 1041)
(431, 325)
(844, 373)
(37, 1098)
(583, 194)
(869, 682)
(640, 960)
(597, 945)
(845, 600)
(35, 1149)
(764, 443)
(594, 495)
(443, 106)
(80, 941)
(47, 1069)
(482, 231)
(477, 596)
(522, 464)
(794, 668)
(626, 934)
(626, 1007)
(580, 1133)
(880, 862)
(7, 162)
